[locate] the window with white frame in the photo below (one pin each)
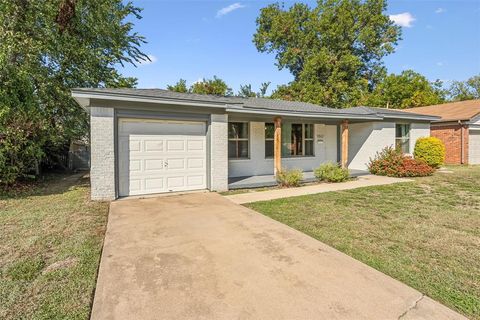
(238, 136)
(402, 137)
(297, 139)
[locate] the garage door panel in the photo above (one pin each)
(153, 159)
(474, 146)
(175, 145)
(195, 180)
(153, 145)
(176, 163)
(154, 183)
(195, 145)
(154, 164)
(195, 163)
(176, 182)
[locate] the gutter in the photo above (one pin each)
(305, 114)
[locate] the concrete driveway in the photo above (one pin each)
(200, 256)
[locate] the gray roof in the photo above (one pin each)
(258, 105)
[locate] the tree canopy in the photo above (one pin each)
(217, 86)
(406, 90)
(48, 47)
(334, 50)
(465, 90)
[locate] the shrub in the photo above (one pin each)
(393, 163)
(431, 150)
(331, 172)
(289, 178)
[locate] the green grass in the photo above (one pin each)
(50, 243)
(424, 233)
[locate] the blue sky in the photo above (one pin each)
(200, 39)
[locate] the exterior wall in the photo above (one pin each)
(257, 164)
(451, 135)
(102, 170)
(219, 152)
(366, 139)
(418, 130)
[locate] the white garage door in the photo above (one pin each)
(161, 156)
(474, 146)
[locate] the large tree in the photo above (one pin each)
(406, 90)
(334, 50)
(48, 47)
(465, 90)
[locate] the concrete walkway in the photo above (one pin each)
(362, 181)
(200, 256)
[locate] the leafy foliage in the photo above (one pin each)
(406, 90)
(431, 150)
(180, 86)
(334, 51)
(393, 163)
(289, 177)
(465, 90)
(331, 172)
(246, 91)
(215, 86)
(219, 87)
(47, 48)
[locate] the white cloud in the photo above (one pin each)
(440, 63)
(440, 10)
(152, 58)
(403, 19)
(230, 8)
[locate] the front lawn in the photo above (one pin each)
(50, 243)
(424, 233)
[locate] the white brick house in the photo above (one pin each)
(146, 141)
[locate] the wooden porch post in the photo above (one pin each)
(344, 154)
(277, 146)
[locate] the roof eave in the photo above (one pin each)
(81, 95)
(304, 114)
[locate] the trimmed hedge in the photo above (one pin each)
(393, 163)
(431, 150)
(331, 172)
(289, 178)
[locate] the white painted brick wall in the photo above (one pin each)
(366, 139)
(219, 152)
(418, 130)
(102, 171)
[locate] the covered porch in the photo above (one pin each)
(269, 180)
(269, 149)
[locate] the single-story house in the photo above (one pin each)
(458, 128)
(146, 141)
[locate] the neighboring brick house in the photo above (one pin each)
(459, 129)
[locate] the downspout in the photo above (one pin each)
(462, 158)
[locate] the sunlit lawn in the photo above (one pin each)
(425, 233)
(50, 243)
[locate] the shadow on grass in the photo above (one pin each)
(48, 184)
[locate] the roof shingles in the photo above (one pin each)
(254, 103)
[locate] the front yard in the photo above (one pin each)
(50, 245)
(424, 233)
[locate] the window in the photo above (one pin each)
(238, 140)
(402, 137)
(297, 139)
(269, 134)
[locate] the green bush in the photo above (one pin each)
(289, 178)
(431, 150)
(393, 163)
(331, 172)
